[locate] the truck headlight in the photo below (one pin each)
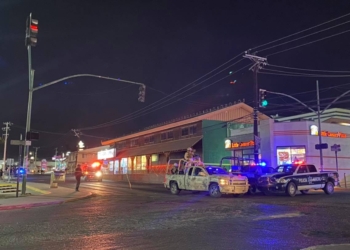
(98, 174)
(222, 182)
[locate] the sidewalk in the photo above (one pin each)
(39, 194)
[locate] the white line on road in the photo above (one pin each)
(279, 216)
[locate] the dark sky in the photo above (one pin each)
(164, 44)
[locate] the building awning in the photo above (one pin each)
(170, 146)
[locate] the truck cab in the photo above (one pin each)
(196, 176)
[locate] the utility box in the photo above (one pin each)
(57, 177)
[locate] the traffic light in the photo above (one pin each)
(31, 32)
(262, 101)
(142, 93)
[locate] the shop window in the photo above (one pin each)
(149, 139)
(143, 162)
(166, 135)
(193, 130)
(134, 142)
(163, 136)
(154, 158)
(289, 155)
(124, 165)
(184, 132)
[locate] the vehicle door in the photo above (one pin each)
(200, 179)
(301, 175)
(315, 178)
(189, 179)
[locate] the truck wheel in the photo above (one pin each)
(238, 195)
(174, 189)
(304, 191)
(329, 187)
(291, 189)
(252, 190)
(214, 190)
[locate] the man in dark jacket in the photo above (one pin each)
(78, 174)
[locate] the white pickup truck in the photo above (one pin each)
(195, 176)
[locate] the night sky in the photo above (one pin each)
(166, 45)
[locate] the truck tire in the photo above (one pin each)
(214, 190)
(329, 188)
(291, 189)
(238, 195)
(252, 190)
(174, 189)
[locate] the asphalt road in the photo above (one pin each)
(149, 217)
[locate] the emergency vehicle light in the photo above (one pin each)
(95, 164)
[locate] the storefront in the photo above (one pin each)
(108, 163)
(288, 142)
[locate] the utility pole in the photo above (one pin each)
(77, 133)
(56, 156)
(258, 62)
(319, 124)
(35, 155)
(6, 129)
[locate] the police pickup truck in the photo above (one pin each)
(198, 177)
(293, 177)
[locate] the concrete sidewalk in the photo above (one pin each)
(39, 194)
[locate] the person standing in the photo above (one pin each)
(78, 174)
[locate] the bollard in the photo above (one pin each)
(53, 183)
(345, 180)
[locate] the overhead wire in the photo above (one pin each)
(299, 32)
(163, 100)
(296, 39)
(167, 104)
(315, 70)
(303, 74)
(304, 44)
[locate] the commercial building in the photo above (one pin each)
(293, 139)
(149, 150)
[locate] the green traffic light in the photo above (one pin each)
(264, 103)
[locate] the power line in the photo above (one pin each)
(316, 70)
(296, 33)
(304, 44)
(165, 105)
(301, 75)
(296, 39)
(162, 101)
(304, 74)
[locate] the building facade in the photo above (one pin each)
(293, 139)
(148, 151)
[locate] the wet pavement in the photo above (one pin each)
(149, 217)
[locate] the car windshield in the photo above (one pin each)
(286, 169)
(215, 170)
(92, 169)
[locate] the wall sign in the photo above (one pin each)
(230, 144)
(314, 131)
(105, 154)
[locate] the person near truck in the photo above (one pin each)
(78, 174)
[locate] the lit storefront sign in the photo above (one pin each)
(288, 155)
(106, 154)
(314, 131)
(230, 144)
(81, 145)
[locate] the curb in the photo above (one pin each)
(40, 204)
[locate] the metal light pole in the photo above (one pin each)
(319, 125)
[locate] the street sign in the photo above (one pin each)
(43, 164)
(321, 146)
(336, 148)
(20, 143)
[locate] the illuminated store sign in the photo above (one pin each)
(230, 144)
(314, 131)
(105, 154)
